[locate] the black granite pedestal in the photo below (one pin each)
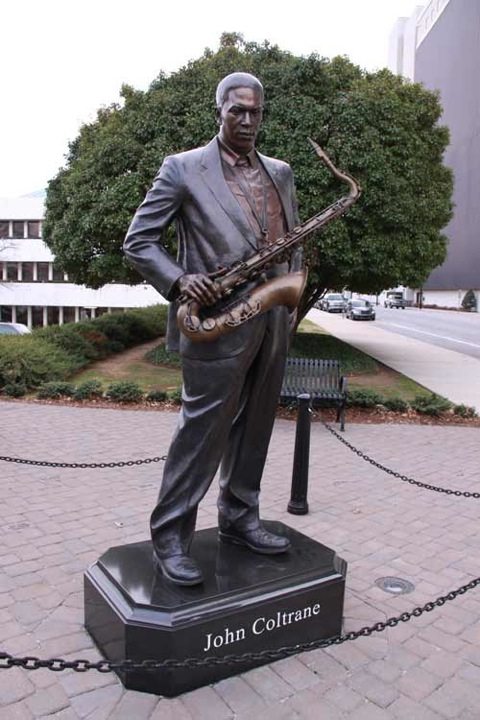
(248, 603)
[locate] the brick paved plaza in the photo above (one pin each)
(56, 522)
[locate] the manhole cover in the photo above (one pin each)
(395, 585)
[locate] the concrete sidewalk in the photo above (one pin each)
(445, 372)
(56, 522)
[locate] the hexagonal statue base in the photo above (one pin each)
(248, 603)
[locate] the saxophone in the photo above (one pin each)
(285, 290)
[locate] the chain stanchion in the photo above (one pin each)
(399, 476)
(80, 665)
(58, 664)
(298, 504)
(83, 466)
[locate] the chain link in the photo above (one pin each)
(399, 476)
(58, 664)
(83, 466)
(80, 665)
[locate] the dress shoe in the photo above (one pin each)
(257, 539)
(181, 569)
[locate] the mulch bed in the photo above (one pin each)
(370, 416)
(381, 416)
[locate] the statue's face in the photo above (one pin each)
(240, 117)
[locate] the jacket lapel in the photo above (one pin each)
(212, 173)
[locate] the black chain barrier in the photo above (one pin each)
(57, 664)
(83, 466)
(399, 476)
(162, 458)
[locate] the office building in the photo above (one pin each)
(33, 291)
(445, 56)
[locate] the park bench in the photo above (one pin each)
(321, 379)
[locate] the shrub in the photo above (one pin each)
(55, 352)
(157, 395)
(66, 337)
(88, 390)
(469, 301)
(15, 390)
(464, 411)
(396, 404)
(154, 320)
(94, 338)
(56, 389)
(161, 356)
(115, 346)
(175, 396)
(31, 361)
(116, 328)
(318, 345)
(135, 326)
(431, 404)
(364, 397)
(124, 391)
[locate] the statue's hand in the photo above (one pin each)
(199, 287)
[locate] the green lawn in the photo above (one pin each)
(361, 369)
(154, 369)
(140, 370)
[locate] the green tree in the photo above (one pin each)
(380, 128)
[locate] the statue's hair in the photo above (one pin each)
(236, 80)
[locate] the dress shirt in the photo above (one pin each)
(255, 193)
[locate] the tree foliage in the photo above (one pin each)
(380, 128)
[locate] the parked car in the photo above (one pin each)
(13, 329)
(360, 310)
(395, 299)
(333, 302)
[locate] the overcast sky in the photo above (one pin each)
(60, 60)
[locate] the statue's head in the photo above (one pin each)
(239, 100)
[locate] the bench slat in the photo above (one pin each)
(321, 379)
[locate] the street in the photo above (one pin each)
(438, 349)
(452, 330)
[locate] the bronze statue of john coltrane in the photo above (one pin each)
(227, 200)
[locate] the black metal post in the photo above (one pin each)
(298, 504)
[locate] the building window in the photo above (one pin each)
(12, 271)
(87, 313)
(4, 229)
(37, 316)
(5, 313)
(52, 315)
(68, 314)
(9, 271)
(17, 227)
(33, 229)
(22, 314)
(27, 272)
(58, 275)
(42, 272)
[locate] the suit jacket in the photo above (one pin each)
(212, 229)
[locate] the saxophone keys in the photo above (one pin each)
(192, 323)
(209, 324)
